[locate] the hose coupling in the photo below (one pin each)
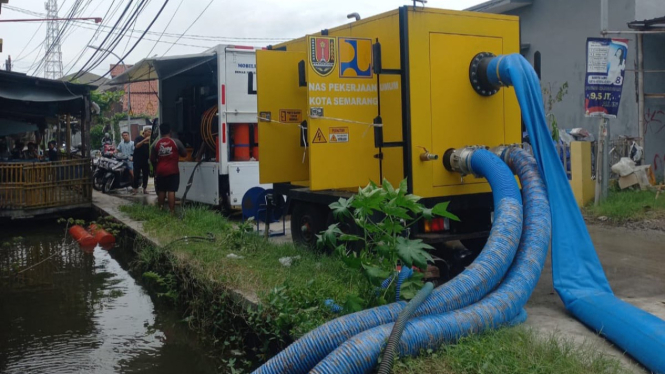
(459, 160)
(503, 151)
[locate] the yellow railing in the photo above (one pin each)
(45, 184)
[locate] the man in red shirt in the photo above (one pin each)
(164, 158)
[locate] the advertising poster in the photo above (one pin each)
(605, 66)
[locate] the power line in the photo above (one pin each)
(167, 26)
(171, 35)
(96, 34)
(190, 26)
(106, 38)
(123, 32)
(142, 35)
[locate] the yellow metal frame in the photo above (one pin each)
(442, 111)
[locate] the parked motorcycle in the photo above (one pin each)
(112, 173)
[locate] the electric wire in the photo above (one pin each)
(141, 37)
(190, 26)
(72, 13)
(106, 50)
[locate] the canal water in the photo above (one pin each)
(63, 310)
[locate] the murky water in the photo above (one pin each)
(66, 311)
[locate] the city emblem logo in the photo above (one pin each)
(322, 55)
(355, 58)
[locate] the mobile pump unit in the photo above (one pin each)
(386, 97)
(209, 99)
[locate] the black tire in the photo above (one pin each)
(307, 220)
(107, 185)
(97, 181)
(349, 227)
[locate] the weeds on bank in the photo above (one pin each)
(629, 205)
(517, 350)
(201, 275)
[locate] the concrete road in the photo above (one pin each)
(634, 262)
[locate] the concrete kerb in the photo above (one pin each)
(109, 205)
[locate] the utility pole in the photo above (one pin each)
(8, 63)
(53, 58)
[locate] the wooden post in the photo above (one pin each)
(86, 147)
(68, 138)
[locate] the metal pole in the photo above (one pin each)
(599, 164)
(640, 90)
(603, 16)
(602, 155)
(606, 158)
(68, 138)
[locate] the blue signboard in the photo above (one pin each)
(605, 66)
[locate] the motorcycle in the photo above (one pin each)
(112, 173)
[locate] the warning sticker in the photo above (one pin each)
(290, 115)
(318, 137)
(338, 134)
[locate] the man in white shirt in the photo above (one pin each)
(126, 147)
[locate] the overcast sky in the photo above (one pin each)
(238, 20)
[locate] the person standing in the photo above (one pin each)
(126, 147)
(164, 157)
(52, 152)
(141, 157)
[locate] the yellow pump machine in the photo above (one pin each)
(385, 97)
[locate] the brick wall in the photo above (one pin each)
(143, 94)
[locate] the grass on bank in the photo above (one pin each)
(248, 263)
(629, 205)
(297, 293)
(517, 350)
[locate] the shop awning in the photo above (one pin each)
(162, 67)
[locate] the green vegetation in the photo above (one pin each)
(379, 217)
(629, 205)
(209, 274)
(202, 274)
(517, 350)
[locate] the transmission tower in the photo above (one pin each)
(53, 58)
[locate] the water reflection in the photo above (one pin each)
(63, 310)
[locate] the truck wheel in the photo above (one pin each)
(307, 220)
(349, 227)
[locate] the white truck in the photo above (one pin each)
(209, 99)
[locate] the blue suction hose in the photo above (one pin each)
(478, 279)
(577, 274)
(501, 307)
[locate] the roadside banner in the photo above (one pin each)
(605, 66)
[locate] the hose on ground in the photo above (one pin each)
(396, 333)
(501, 307)
(478, 279)
(577, 273)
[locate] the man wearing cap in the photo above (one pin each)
(141, 156)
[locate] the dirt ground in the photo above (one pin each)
(633, 261)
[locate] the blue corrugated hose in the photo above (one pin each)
(482, 276)
(502, 307)
(577, 274)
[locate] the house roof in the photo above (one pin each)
(654, 23)
(499, 6)
(87, 78)
(163, 67)
(20, 86)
